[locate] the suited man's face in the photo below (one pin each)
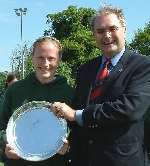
(109, 34)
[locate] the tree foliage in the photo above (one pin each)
(141, 41)
(65, 70)
(72, 28)
(3, 76)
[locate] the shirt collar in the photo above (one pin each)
(116, 58)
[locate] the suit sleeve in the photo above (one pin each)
(128, 107)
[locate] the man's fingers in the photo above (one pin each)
(57, 109)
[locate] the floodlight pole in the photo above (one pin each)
(20, 12)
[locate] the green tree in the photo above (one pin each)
(65, 70)
(28, 64)
(3, 76)
(72, 28)
(141, 41)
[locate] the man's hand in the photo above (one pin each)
(64, 111)
(10, 153)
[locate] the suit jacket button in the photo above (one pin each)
(91, 141)
(69, 160)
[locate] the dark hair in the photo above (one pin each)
(10, 77)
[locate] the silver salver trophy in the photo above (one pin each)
(35, 132)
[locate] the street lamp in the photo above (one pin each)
(20, 12)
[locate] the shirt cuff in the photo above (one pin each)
(78, 117)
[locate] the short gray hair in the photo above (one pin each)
(106, 10)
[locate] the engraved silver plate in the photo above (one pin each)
(35, 132)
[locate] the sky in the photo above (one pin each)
(34, 23)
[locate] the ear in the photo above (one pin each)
(125, 29)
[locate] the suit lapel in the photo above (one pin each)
(94, 69)
(120, 66)
(115, 73)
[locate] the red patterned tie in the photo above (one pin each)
(103, 73)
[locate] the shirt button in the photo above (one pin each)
(91, 141)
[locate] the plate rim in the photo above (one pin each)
(19, 112)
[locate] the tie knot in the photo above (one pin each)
(107, 63)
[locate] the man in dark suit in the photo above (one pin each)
(108, 130)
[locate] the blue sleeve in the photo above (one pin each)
(78, 117)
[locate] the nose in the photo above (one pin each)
(107, 33)
(45, 62)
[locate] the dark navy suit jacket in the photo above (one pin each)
(114, 135)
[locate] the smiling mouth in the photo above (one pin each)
(43, 69)
(108, 43)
